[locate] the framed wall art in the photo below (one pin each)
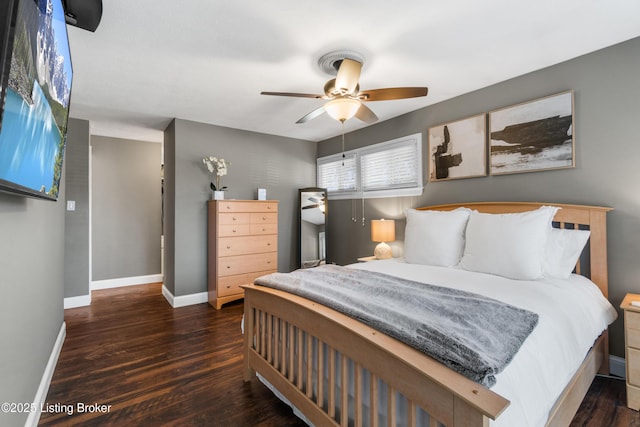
(458, 149)
(533, 136)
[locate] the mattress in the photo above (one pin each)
(572, 314)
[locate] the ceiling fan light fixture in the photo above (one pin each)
(342, 109)
(345, 100)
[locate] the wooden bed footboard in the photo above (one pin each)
(307, 351)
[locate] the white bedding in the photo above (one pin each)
(572, 314)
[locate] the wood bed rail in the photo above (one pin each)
(287, 341)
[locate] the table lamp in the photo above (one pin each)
(383, 231)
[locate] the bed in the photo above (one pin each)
(305, 351)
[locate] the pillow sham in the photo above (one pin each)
(562, 251)
(435, 237)
(510, 245)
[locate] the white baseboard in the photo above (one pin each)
(79, 301)
(617, 366)
(43, 388)
(126, 281)
(184, 300)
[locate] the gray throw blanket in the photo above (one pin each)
(471, 334)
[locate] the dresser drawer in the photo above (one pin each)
(633, 366)
(633, 338)
(234, 218)
(264, 218)
(230, 285)
(264, 228)
(632, 320)
(229, 230)
(247, 206)
(240, 264)
(633, 397)
(240, 245)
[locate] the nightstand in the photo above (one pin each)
(367, 258)
(632, 349)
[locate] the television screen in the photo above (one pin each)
(36, 105)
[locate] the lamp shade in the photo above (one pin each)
(342, 109)
(383, 230)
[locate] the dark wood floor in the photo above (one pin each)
(156, 365)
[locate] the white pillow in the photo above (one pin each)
(435, 237)
(563, 250)
(509, 245)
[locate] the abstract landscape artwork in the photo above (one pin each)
(458, 149)
(533, 136)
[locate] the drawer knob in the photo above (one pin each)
(268, 244)
(264, 229)
(228, 266)
(264, 218)
(234, 218)
(234, 230)
(228, 246)
(228, 207)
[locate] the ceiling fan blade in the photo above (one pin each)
(297, 95)
(312, 115)
(348, 75)
(365, 114)
(392, 93)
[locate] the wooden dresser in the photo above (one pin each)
(632, 349)
(242, 245)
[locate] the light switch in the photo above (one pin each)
(71, 205)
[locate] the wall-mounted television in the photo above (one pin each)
(37, 91)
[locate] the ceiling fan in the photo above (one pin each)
(315, 203)
(345, 99)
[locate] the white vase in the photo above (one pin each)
(218, 195)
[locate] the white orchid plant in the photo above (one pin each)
(217, 166)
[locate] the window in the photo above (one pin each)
(338, 174)
(388, 169)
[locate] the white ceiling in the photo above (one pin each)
(207, 60)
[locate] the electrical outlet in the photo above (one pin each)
(71, 205)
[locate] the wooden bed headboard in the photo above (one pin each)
(593, 218)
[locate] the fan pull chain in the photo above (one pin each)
(353, 200)
(353, 210)
(343, 155)
(363, 218)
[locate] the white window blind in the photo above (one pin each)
(388, 169)
(338, 174)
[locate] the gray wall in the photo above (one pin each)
(607, 90)
(281, 165)
(169, 208)
(126, 212)
(32, 282)
(76, 241)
